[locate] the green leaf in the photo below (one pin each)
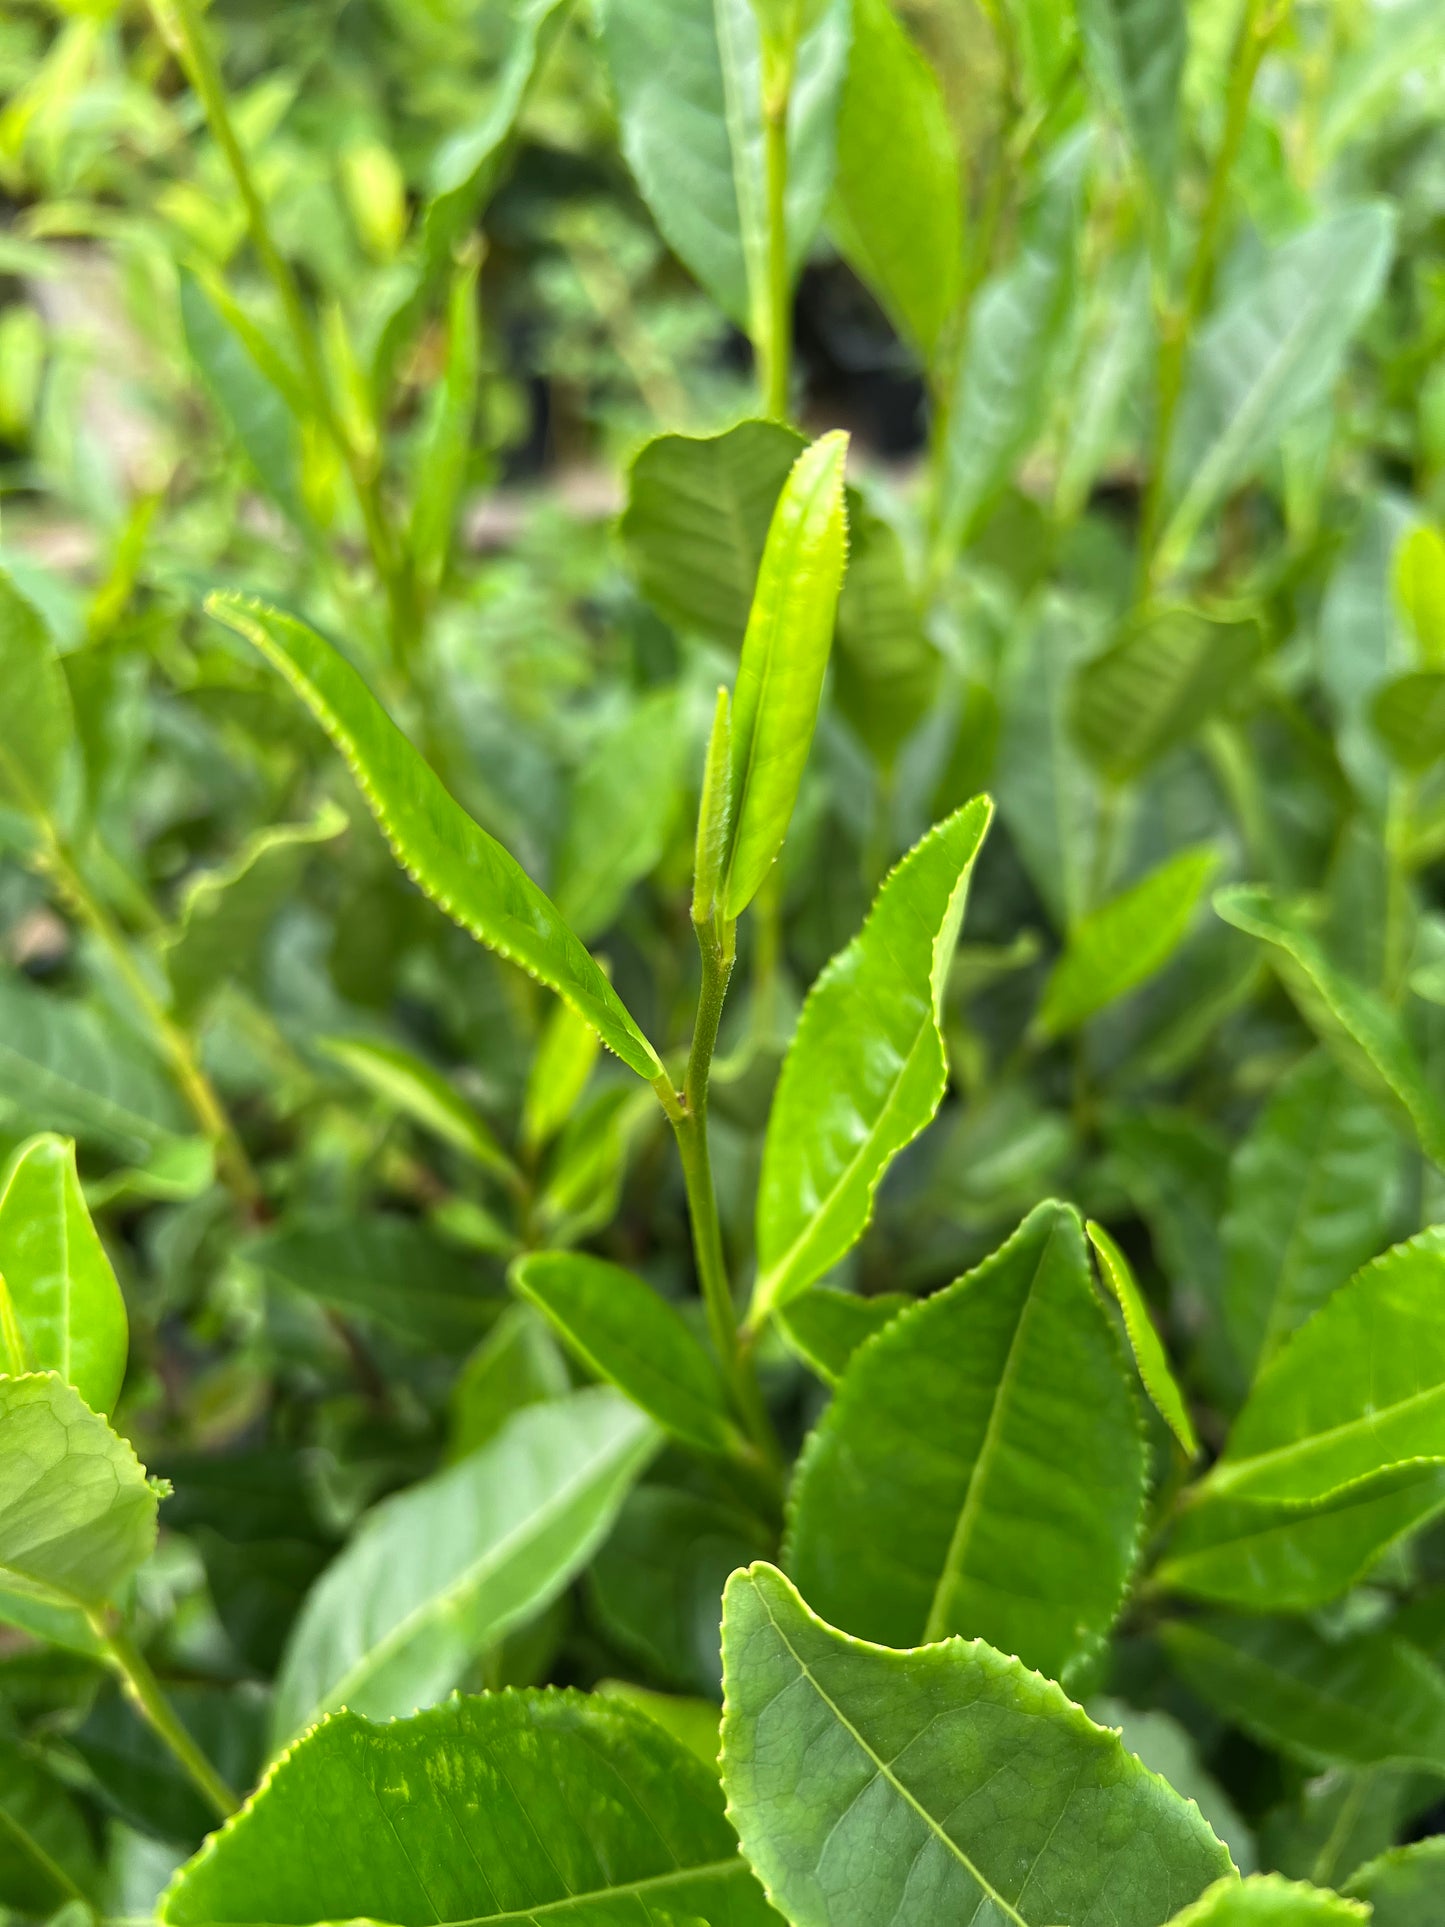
(1149, 1354)
(69, 1315)
(516, 1364)
(714, 813)
(77, 1513)
(1409, 716)
(255, 406)
(1358, 1701)
(784, 657)
(1168, 1748)
(226, 912)
(1405, 1886)
(948, 1783)
(454, 860)
(438, 1573)
(624, 799)
(421, 1092)
(692, 1723)
(1125, 941)
(981, 1469)
(512, 1806)
(1309, 1202)
(559, 1075)
(1397, 43)
(1158, 684)
(885, 670)
(1134, 53)
(1420, 585)
(46, 1856)
(1268, 1900)
(825, 1327)
(1356, 1023)
(446, 446)
(1271, 354)
(622, 1330)
(688, 79)
(898, 202)
(39, 725)
(866, 1069)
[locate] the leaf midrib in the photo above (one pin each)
(1228, 1475)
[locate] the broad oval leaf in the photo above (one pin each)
(1269, 1900)
(1149, 1353)
(1405, 1887)
(421, 1092)
(623, 1330)
(866, 1067)
(784, 658)
(440, 1572)
(981, 1469)
(1158, 684)
(1134, 51)
(69, 1315)
(511, 1806)
(39, 725)
(946, 1783)
(467, 872)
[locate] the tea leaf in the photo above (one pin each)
(1420, 586)
(714, 814)
(559, 1075)
(1134, 51)
(439, 1572)
(866, 1069)
(454, 860)
(622, 1330)
(46, 1856)
(825, 1327)
(256, 408)
(885, 669)
(68, 1310)
(446, 449)
(518, 1363)
(1404, 1886)
(1269, 1900)
(420, 1091)
(1409, 715)
(39, 724)
(1158, 684)
(981, 1469)
(1125, 941)
(785, 654)
(624, 799)
(947, 1782)
(1149, 1354)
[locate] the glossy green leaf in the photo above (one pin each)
(1158, 684)
(511, 1806)
(1409, 715)
(981, 1469)
(67, 1310)
(39, 724)
(46, 1856)
(625, 1332)
(624, 799)
(1420, 586)
(1405, 1887)
(1149, 1354)
(1268, 1900)
(1310, 1191)
(866, 1069)
(898, 203)
(421, 1092)
(438, 1573)
(825, 1327)
(77, 1513)
(1350, 1018)
(453, 859)
(1364, 1699)
(947, 1783)
(566, 1054)
(784, 658)
(1134, 53)
(1125, 941)
(253, 404)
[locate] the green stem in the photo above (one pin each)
(776, 343)
(145, 1690)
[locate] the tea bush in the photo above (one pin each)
(723, 1144)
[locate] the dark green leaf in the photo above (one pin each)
(1158, 684)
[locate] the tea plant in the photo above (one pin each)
(922, 1396)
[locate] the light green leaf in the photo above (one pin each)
(1420, 574)
(1149, 1354)
(39, 725)
(981, 1469)
(1409, 716)
(948, 1783)
(69, 1315)
(518, 1363)
(1125, 941)
(1134, 53)
(866, 1068)
(453, 859)
(624, 1331)
(46, 1856)
(564, 1062)
(714, 813)
(1396, 44)
(1310, 1192)
(898, 202)
(885, 669)
(419, 1091)
(77, 1513)
(688, 79)
(1405, 1887)
(784, 657)
(1158, 684)
(226, 912)
(509, 1806)
(1268, 1900)
(255, 406)
(1269, 356)
(1356, 1024)
(1360, 1701)
(624, 799)
(446, 444)
(825, 1327)
(438, 1573)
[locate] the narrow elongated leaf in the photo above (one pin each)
(1363, 1700)
(38, 720)
(1149, 1354)
(785, 654)
(1269, 1900)
(446, 448)
(948, 1783)
(898, 204)
(439, 1573)
(1122, 943)
(1309, 1203)
(46, 1856)
(866, 1068)
(1158, 684)
(1405, 1887)
(1356, 1024)
(1134, 52)
(69, 1315)
(77, 1513)
(420, 1091)
(621, 1328)
(981, 1469)
(255, 408)
(511, 1806)
(453, 859)
(825, 1327)
(565, 1058)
